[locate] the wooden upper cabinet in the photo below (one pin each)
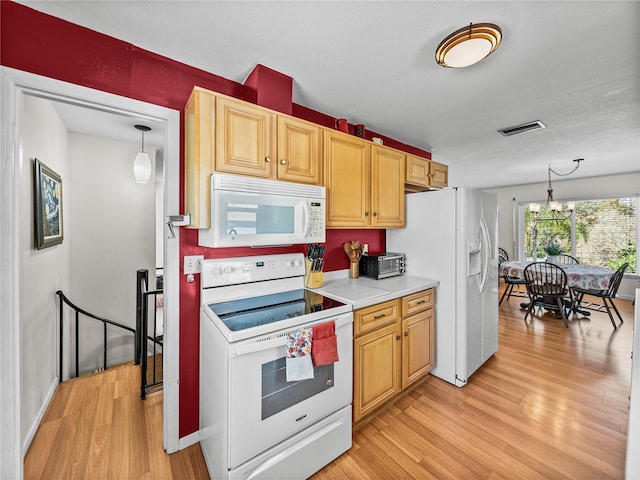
(387, 187)
(200, 129)
(364, 182)
(346, 178)
(423, 174)
(438, 174)
(245, 139)
(299, 151)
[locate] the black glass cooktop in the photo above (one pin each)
(252, 312)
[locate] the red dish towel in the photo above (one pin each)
(324, 349)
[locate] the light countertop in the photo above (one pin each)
(362, 292)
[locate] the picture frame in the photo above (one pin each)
(48, 206)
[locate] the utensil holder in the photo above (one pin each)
(354, 270)
(312, 279)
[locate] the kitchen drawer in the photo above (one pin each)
(417, 302)
(375, 316)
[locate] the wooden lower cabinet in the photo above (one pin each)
(392, 349)
(417, 354)
(376, 365)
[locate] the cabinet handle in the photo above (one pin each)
(397, 337)
(366, 214)
(267, 159)
(283, 162)
(420, 302)
(380, 316)
(375, 214)
(406, 334)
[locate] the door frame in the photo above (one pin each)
(14, 85)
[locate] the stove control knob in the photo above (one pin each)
(287, 264)
(297, 263)
(215, 271)
(228, 269)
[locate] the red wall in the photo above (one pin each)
(34, 42)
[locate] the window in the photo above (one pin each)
(600, 232)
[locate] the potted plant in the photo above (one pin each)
(553, 249)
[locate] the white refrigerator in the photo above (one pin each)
(451, 237)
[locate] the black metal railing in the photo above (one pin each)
(79, 311)
(142, 336)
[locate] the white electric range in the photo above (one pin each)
(253, 423)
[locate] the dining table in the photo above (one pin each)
(578, 275)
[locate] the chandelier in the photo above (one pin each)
(553, 210)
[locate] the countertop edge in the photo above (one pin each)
(397, 287)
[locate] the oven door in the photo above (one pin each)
(265, 409)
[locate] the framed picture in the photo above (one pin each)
(48, 206)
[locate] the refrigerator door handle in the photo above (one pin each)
(485, 254)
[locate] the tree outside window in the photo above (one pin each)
(599, 232)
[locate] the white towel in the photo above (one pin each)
(298, 359)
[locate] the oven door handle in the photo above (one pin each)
(281, 341)
(261, 346)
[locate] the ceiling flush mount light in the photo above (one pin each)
(468, 45)
(142, 163)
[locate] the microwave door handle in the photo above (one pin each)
(307, 219)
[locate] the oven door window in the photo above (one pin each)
(278, 394)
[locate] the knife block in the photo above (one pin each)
(312, 279)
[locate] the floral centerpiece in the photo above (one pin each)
(553, 249)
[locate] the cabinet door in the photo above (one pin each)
(417, 347)
(200, 117)
(417, 171)
(245, 139)
(387, 187)
(376, 367)
(438, 174)
(346, 178)
(299, 151)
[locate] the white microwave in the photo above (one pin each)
(253, 212)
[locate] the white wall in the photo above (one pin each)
(43, 271)
(114, 236)
(578, 189)
(109, 233)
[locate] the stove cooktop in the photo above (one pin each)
(265, 309)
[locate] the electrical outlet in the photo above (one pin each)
(193, 264)
(365, 248)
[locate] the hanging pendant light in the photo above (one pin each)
(142, 163)
(468, 45)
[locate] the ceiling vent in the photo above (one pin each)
(525, 127)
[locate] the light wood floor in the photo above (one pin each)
(551, 404)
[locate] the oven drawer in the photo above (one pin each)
(297, 457)
(264, 409)
(375, 316)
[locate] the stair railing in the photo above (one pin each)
(142, 327)
(78, 311)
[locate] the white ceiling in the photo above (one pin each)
(574, 65)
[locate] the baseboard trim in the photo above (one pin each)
(189, 440)
(39, 417)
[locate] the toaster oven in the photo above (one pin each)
(382, 265)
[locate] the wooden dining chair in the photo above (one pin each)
(547, 288)
(503, 252)
(510, 281)
(567, 259)
(608, 294)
